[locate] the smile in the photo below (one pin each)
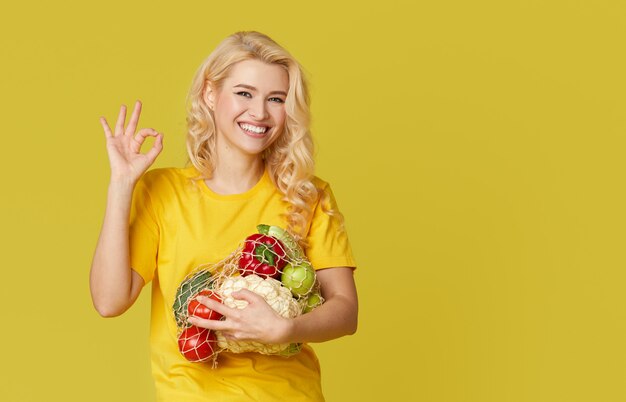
(253, 129)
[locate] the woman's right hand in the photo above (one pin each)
(128, 164)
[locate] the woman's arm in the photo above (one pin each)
(336, 317)
(114, 285)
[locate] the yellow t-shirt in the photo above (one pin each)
(177, 225)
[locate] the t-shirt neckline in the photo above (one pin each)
(263, 181)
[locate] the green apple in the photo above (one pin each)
(299, 278)
(312, 301)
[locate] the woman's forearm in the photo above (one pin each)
(336, 317)
(333, 319)
(111, 278)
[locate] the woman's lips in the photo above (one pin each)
(251, 133)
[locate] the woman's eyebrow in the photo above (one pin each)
(254, 89)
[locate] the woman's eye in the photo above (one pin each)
(244, 93)
(278, 100)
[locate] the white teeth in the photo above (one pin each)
(254, 129)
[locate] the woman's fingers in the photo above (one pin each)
(132, 124)
(216, 325)
(216, 306)
(121, 119)
(124, 146)
(247, 295)
(141, 135)
(254, 322)
(156, 148)
(107, 129)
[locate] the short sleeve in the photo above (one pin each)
(143, 232)
(328, 244)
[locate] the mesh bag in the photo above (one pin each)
(269, 263)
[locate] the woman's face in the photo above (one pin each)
(249, 108)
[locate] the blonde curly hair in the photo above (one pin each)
(289, 159)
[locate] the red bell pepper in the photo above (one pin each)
(262, 255)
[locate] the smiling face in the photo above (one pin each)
(249, 108)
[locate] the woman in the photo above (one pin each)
(250, 154)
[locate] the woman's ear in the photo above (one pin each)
(209, 95)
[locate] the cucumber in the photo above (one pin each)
(187, 289)
(291, 350)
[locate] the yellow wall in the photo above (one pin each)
(476, 149)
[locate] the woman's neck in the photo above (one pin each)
(236, 176)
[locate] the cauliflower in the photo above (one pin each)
(277, 296)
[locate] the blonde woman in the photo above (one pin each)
(250, 162)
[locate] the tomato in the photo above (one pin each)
(197, 344)
(198, 309)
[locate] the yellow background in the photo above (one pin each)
(476, 149)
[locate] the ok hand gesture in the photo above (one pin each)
(123, 147)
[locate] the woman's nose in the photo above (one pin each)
(258, 110)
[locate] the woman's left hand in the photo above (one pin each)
(255, 322)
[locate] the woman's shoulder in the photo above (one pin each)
(167, 176)
(323, 188)
(319, 183)
(169, 172)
